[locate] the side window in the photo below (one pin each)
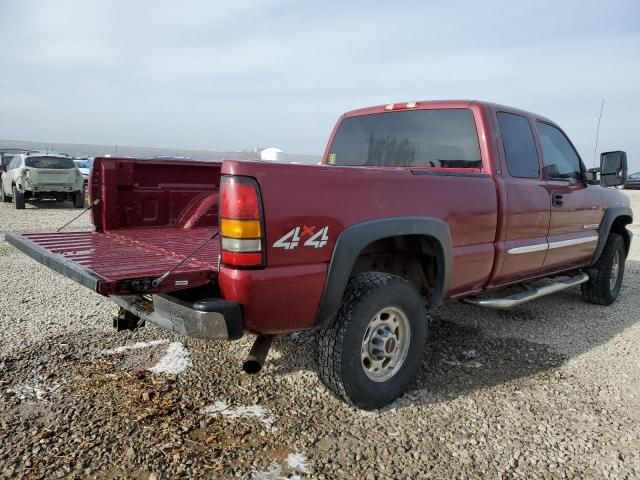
(519, 145)
(14, 163)
(558, 155)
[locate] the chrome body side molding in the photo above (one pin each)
(548, 246)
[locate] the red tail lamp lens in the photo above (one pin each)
(239, 199)
(241, 223)
(241, 259)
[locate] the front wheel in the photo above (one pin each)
(370, 353)
(605, 277)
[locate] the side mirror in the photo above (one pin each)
(613, 168)
(551, 171)
(593, 176)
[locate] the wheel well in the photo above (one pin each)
(413, 257)
(619, 226)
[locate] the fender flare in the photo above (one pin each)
(610, 215)
(355, 238)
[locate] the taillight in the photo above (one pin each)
(241, 222)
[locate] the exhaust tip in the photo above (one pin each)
(251, 366)
(254, 361)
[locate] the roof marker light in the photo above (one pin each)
(401, 106)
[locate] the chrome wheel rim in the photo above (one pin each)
(385, 344)
(615, 269)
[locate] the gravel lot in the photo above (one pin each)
(548, 390)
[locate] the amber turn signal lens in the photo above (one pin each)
(239, 228)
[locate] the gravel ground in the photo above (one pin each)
(548, 390)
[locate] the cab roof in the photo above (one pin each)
(438, 104)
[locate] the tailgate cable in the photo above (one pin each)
(93, 204)
(164, 276)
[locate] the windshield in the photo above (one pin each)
(49, 162)
(83, 163)
(419, 138)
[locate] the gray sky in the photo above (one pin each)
(232, 75)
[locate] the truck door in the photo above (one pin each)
(522, 247)
(576, 207)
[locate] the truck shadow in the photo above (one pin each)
(471, 348)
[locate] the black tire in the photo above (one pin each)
(78, 199)
(5, 198)
(341, 344)
(601, 289)
(18, 199)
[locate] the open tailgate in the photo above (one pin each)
(124, 262)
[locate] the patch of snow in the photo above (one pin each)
(36, 389)
(304, 337)
(135, 346)
(274, 473)
(457, 363)
(241, 411)
(176, 360)
(297, 461)
(468, 355)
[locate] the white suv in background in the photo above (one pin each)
(34, 176)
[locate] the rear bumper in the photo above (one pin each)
(211, 318)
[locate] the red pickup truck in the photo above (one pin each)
(415, 204)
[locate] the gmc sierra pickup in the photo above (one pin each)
(415, 204)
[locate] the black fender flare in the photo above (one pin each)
(610, 216)
(355, 238)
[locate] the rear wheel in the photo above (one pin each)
(78, 199)
(605, 277)
(370, 353)
(18, 198)
(5, 198)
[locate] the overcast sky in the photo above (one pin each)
(233, 75)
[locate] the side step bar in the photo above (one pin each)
(526, 296)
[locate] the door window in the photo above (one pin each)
(519, 146)
(558, 155)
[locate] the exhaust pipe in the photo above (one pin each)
(258, 353)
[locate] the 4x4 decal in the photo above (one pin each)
(291, 239)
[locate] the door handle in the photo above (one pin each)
(557, 200)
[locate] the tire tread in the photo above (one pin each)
(597, 290)
(332, 336)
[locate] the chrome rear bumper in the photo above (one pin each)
(204, 318)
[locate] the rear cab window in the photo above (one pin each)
(519, 146)
(560, 159)
(50, 162)
(439, 138)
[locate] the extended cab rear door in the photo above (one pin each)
(522, 247)
(576, 207)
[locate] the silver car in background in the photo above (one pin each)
(36, 176)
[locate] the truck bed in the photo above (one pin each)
(109, 262)
(149, 215)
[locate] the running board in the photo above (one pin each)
(526, 296)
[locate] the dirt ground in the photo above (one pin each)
(550, 389)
